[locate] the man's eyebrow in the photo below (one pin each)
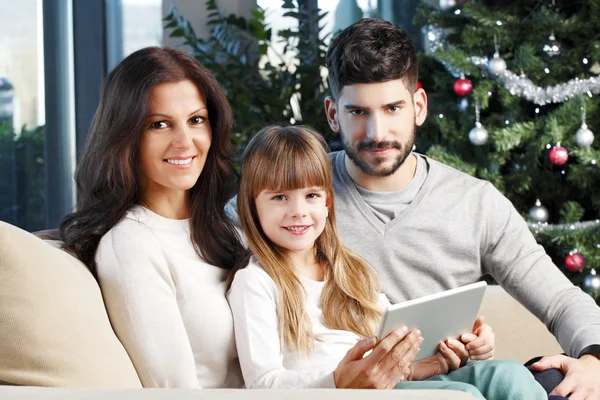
(395, 104)
(388, 105)
(354, 107)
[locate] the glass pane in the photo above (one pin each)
(142, 24)
(342, 13)
(22, 114)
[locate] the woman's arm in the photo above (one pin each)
(141, 301)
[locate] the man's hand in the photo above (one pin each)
(582, 376)
(388, 363)
(480, 342)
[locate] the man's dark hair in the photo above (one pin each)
(368, 51)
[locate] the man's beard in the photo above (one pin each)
(367, 168)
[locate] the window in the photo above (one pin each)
(22, 114)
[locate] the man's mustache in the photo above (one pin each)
(372, 145)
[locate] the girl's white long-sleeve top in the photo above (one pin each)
(254, 301)
(166, 304)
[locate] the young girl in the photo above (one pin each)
(304, 300)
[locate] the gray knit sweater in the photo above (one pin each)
(455, 230)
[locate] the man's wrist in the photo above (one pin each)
(593, 350)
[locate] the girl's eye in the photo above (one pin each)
(196, 120)
(313, 195)
(158, 125)
(279, 197)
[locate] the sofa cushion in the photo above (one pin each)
(519, 334)
(54, 330)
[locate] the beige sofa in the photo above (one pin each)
(55, 334)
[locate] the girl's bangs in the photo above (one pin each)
(294, 167)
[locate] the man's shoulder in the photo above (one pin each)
(444, 173)
(448, 182)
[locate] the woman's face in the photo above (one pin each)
(175, 140)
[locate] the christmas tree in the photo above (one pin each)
(514, 98)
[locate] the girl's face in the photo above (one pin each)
(175, 140)
(293, 219)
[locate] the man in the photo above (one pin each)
(426, 227)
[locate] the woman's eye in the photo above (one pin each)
(279, 197)
(196, 120)
(158, 125)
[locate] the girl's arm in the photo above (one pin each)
(453, 353)
(253, 298)
(140, 298)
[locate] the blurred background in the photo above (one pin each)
(53, 57)
(513, 92)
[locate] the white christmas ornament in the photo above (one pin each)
(447, 4)
(584, 137)
(552, 47)
(497, 65)
(538, 213)
(478, 135)
(591, 283)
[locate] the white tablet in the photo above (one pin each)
(438, 316)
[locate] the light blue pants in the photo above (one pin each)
(490, 379)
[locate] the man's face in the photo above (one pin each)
(376, 122)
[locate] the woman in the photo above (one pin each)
(152, 184)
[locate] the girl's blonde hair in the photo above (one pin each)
(295, 157)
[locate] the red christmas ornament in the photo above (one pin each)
(463, 87)
(419, 85)
(574, 262)
(558, 155)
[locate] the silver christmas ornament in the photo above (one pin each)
(478, 135)
(584, 136)
(447, 4)
(538, 213)
(497, 65)
(552, 48)
(463, 104)
(591, 283)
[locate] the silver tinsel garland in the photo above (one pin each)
(520, 85)
(544, 227)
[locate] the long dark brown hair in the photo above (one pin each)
(108, 176)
